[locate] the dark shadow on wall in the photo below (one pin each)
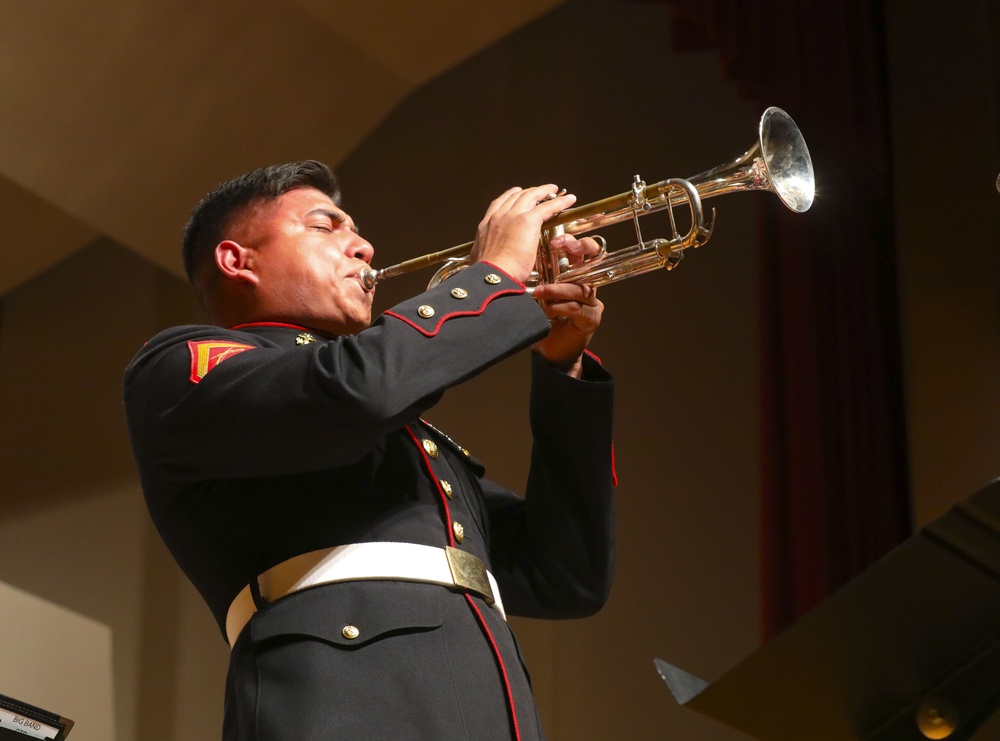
(65, 339)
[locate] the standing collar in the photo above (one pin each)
(282, 331)
(280, 325)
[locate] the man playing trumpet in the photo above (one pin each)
(355, 558)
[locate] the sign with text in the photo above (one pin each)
(19, 719)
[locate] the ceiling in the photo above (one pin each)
(116, 117)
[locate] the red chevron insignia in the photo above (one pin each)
(207, 354)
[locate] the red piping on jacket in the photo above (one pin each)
(271, 324)
(475, 609)
(454, 314)
(614, 470)
(437, 327)
(503, 668)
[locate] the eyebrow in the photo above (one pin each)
(336, 217)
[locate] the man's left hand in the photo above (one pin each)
(573, 309)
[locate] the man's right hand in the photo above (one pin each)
(508, 234)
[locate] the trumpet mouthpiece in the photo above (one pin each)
(368, 277)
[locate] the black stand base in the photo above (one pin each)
(908, 650)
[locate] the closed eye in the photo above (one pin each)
(337, 219)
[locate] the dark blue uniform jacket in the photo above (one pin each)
(258, 443)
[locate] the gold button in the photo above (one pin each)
(492, 279)
(446, 488)
(459, 531)
(459, 292)
(426, 311)
(350, 632)
(304, 338)
(430, 446)
(467, 453)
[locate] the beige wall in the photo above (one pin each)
(74, 529)
(46, 650)
(682, 346)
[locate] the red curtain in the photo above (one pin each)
(834, 474)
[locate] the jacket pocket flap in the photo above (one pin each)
(351, 614)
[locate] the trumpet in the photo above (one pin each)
(778, 162)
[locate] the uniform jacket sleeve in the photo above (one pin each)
(553, 551)
(271, 410)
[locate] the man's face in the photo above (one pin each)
(307, 256)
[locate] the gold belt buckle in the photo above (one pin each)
(469, 573)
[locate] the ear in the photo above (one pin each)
(233, 261)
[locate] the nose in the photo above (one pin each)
(361, 249)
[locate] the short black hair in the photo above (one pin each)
(217, 211)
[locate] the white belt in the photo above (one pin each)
(447, 566)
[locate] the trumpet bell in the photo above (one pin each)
(787, 159)
(778, 162)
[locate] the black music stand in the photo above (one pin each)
(20, 721)
(908, 650)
